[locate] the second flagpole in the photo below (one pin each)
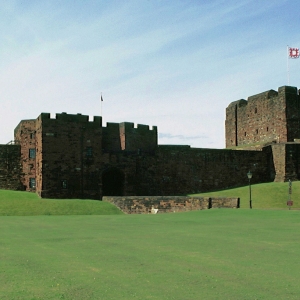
(288, 66)
(101, 100)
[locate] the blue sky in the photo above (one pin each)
(173, 64)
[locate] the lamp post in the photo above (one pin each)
(249, 175)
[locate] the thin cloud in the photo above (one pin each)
(181, 137)
(173, 64)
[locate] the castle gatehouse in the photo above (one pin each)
(71, 156)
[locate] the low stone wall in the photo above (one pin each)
(165, 204)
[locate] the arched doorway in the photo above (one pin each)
(112, 182)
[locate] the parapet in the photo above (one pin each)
(238, 103)
(140, 138)
(24, 123)
(112, 126)
(265, 95)
(139, 128)
(125, 136)
(78, 118)
(175, 147)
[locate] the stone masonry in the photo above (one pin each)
(269, 117)
(10, 167)
(167, 204)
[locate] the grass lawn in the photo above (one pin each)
(264, 195)
(212, 254)
(13, 203)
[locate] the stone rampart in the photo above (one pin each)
(166, 204)
(140, 138)
(10, 167)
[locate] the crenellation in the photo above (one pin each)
(263, 96)
(64, 117)
(140, 138)
(126, 125)
(72, 118)
(44, 116)
(141, 127)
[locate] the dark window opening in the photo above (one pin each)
(31, 153)
(32, 183)
(64, 184)
(256, 131)
(51, 134)
(245, 133)
(32, 135)
(255, 110)
(89, 151)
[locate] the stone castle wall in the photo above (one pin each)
(69, 156)
(167, 204)
(180, 170)
(124, 136)
(140, 138)
(191, 170)
(25, 136)
(286, 158)
(10, 167)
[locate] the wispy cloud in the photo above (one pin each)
(174, 64)
(180, 137)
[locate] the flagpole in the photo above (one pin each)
(288, 65)
(101, 100)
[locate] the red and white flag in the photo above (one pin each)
(294, 52)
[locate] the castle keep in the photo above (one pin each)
(70, 156)
(269, 117)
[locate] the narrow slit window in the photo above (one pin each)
(32, 183)
(64, 184)
(89, 151)
(32, 153)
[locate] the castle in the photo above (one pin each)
(70, 156)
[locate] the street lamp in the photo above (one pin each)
(249, 175)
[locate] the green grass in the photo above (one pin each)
(214, 254)
(264, 196)
(14, 203)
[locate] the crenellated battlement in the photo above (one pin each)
(129, 125)
(263, 96)
(138, 127)
(126, 136)
(111, 125)
(78, 118)
(139, 138)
